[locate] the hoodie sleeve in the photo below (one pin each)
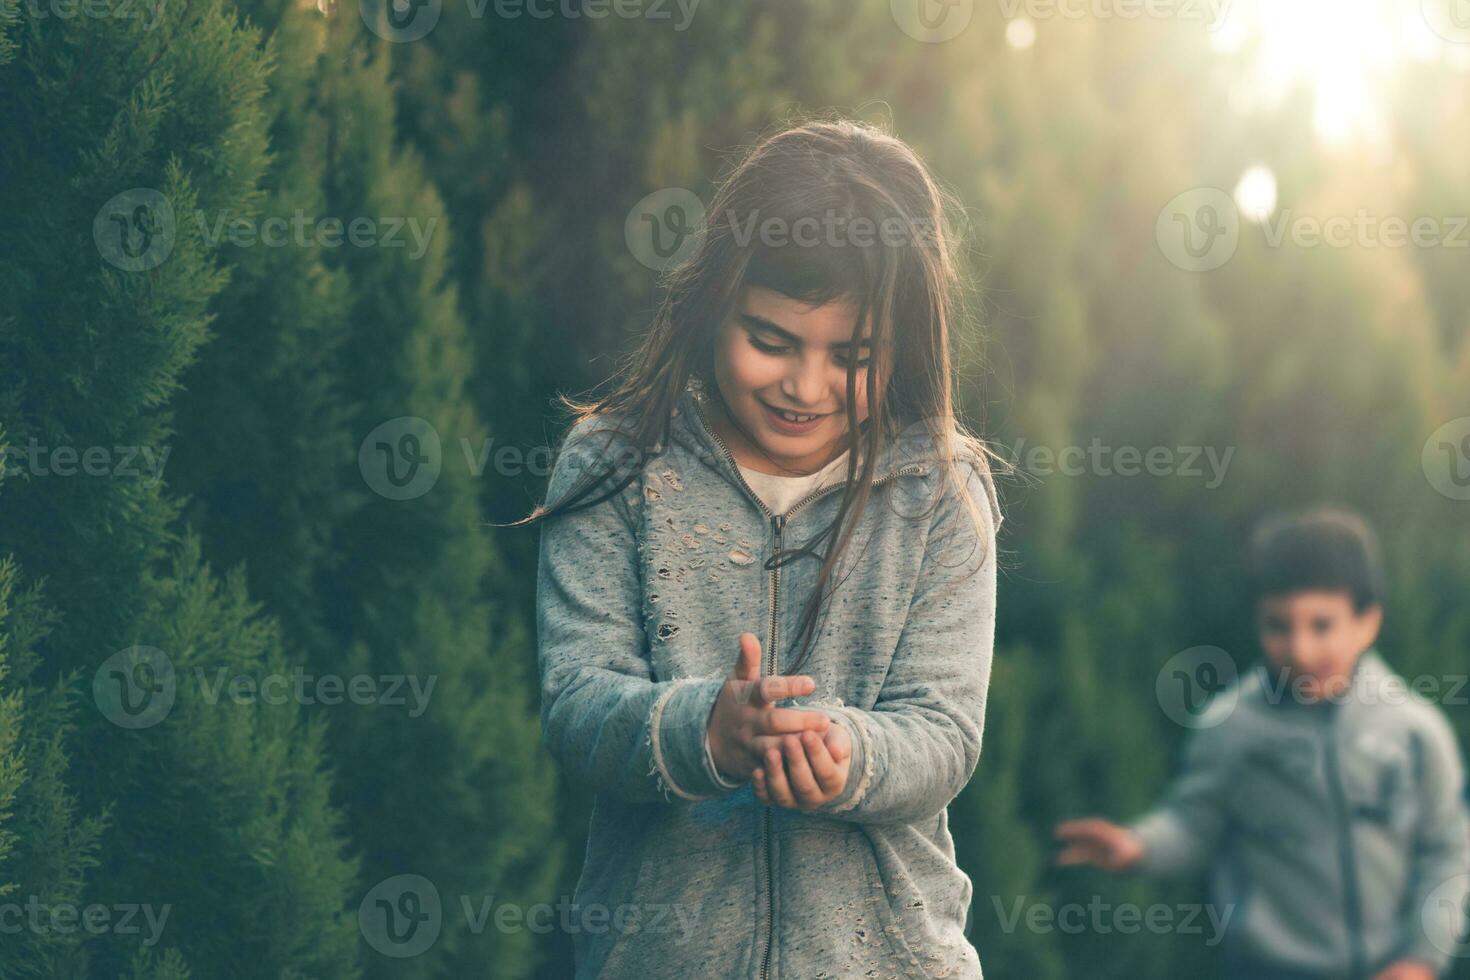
(1182, 835)
(603, 717)
(1439, 875)
(919, 745)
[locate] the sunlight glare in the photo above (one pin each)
(1020, 33)
(1255, 195)
(1345, 51)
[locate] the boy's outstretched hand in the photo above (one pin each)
(1100, 843)
(743, 725)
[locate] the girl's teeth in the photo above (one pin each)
(790, 417)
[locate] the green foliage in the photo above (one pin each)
(519, 146)
(46, 849)
(214, 818)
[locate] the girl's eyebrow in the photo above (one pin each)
(761, 323)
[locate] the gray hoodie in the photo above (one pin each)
(1336, 831)
(641, 600)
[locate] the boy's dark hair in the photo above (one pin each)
(1324, 547)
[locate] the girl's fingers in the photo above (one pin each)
(758, 783)
(799, 772)
(776, 783)
(837, 743)
(782, 721)
(824, 767)
(781, 687)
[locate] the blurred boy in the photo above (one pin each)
(1326, 799)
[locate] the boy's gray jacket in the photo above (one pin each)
(1336, 830)
(641, 600)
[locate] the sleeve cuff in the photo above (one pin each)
(1168, 846)
(676, 731)
(711, 769)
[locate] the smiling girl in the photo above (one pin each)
(766, 593)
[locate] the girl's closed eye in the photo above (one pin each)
(766, 348)
(769, 348)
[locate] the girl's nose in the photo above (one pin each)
(805, 386)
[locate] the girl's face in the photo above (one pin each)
(776, 354)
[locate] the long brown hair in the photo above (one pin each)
(862, 179)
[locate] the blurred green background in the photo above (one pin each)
(256, 236)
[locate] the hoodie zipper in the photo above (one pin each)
(1352, 910)
(778, 527)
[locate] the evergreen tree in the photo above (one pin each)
(46, 849)
(460, 794)
(334, 342)
(123, 135)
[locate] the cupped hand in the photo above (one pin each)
(807, 771)
(744, 723)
